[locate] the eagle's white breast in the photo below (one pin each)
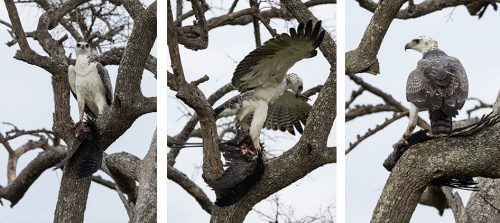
(89, 85)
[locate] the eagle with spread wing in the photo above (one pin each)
(438, 84)
(269, 96)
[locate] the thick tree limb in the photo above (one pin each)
(194, 98)
(483, 205)
(190, 187)
(364, 58)
(472, 156)
(423, 8)
(145, 207)
(15, 190)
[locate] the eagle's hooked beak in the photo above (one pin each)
(408, 46)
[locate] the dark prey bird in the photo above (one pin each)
(86, 147)
(243, 170)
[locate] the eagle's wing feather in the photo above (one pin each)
(267, 65)
(72, 79)
(417, 88)
(106, 81)
(438, 84)
(287, 113)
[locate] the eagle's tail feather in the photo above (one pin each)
(440, 123)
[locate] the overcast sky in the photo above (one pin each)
(472, 41)
(227, 46)
(27, 101)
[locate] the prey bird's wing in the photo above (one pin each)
(287, 113)
(267, 65)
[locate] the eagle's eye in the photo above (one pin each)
(416, 41)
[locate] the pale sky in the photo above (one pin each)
(227, 46)
(27, 101)
(470, 40)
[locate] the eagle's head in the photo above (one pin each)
(82, 48)
(422, 44)
(294, 84)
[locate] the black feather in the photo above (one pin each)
(300, 29)
(293, 32)
(319, 40)
(317, 28)
(464, 183)
(86, 151)
(309, 28)
(242, 173)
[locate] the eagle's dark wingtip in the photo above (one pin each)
(309, 28)
(300, 29)
(319, 40)
(317, 28)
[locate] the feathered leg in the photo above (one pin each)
(412, 123)
(81, 106)
(259, 118)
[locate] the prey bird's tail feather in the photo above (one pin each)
(440, 123)
(464, 183)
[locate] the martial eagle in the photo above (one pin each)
(438, 84)
(269, 96)
(90, 83)
(91, 86)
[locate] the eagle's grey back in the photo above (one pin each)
(438, 83)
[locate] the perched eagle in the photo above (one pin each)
(90, 83)
(91, 86)
(269, 96)
(438, 84)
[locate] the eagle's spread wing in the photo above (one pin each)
(438, 84)
(106, 81)
(267, 65)
(287, 112)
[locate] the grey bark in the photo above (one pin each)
(472, 156)
(145, 208)
(484, 205)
